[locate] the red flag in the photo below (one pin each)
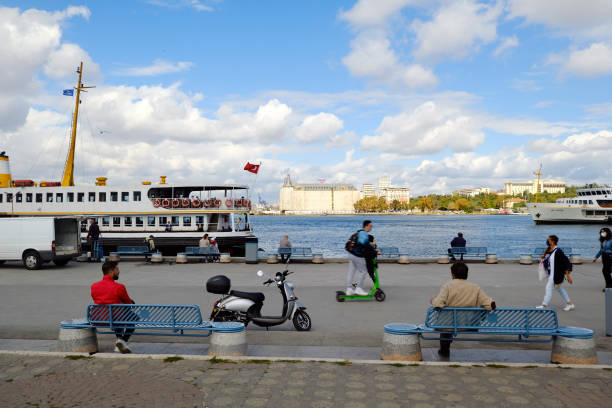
(253, 168)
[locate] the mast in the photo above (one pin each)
(68, 177)
(539, 173)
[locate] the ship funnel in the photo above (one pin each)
(162, 180)
(5, 171)
(101, 181)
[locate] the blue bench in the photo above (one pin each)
(296, 252)
(165, 320)
(525, 323)
(205, 253)
(389, 252)
(134, 251)
(537, 252)
(469, 251)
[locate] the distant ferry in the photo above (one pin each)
(176, 215)
(591, 205)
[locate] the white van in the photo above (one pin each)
(37, 240)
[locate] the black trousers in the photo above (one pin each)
(446, 343)
(285, 257)
(606, 270)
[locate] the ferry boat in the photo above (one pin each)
(591, 205)
(176, 215)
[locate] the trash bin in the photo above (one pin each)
(608, 312)
(250, 250)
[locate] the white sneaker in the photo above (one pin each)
(123, 347)
(541, 307)
(569, 307)
(116, 350)
(359, 291)
(350, 292)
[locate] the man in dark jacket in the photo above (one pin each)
(93, 235)
(458, 241)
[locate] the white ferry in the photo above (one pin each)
(176, 215)
(591, 205)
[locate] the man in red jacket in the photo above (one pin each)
(109, 292)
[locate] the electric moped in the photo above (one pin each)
(245, 307)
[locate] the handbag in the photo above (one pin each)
(542, 272)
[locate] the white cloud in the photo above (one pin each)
(62, 63)
(159, 67)
(428, 129)
(507, 43)
(367, 13)
(527, 126)
(594, 61)
(195, 4)
(457, 29)
(315, 127)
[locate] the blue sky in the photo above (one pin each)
(438, 95)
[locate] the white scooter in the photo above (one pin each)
(245, 307)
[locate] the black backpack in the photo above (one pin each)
(352, 242)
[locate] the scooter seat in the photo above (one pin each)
(256, 297)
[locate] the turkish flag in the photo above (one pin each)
(253, 168)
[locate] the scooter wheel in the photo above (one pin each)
(302, 321)
(379, 295)
(340, 296)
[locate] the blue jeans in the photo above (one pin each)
(550, 284)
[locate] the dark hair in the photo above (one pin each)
(554, 239)
(459, 270)
(460, 234)
(608, 234)
(366, 223)
(370, 238)
(108, 266)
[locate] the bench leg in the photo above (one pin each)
(78, 340)
(228, 344)
(405, 347)
(567, 350)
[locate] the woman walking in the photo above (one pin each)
(605, 251)
(559, 268)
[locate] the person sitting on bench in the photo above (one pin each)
(457, 242)
(459, 293)
(109, 292)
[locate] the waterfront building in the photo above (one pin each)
(472, 192)
(395, 193)
(532, 187)
(317, 198)
(383, 182)
(510, 202)
(367, 190)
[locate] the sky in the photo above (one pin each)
(436, 94)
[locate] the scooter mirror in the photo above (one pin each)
(260, 273)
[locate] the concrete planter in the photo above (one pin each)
(157, 258)
(317, 259)
(77, 340)
(576, 259)
(406, 347)
(526, 260)
(491, 259)
(443, 259)
(225, 258)
(228, 344)
(181, 258)
(272, 259)
(567, 350)
(403, 259)
(113, 256)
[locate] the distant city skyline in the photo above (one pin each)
(437, 95)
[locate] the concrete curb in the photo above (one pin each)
(238, 359)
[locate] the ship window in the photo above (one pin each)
(1, 197)
(28, 197)
(139, 221)
(600, 213)
(80, 197)
(70, 197)
(199, 219)
(114, 196)
(39, 197)
(163, 220)
(92, 197)
(186, 221)
(125, 196)
(18, 197)
(105, 221)
(151, 221)
(590, 201)
(59, 197)
(137, 196)
(102, 197)
(49, 197)
(116, 221)
(589, 213)
(175, 220)
(127, 221)
(9, 197)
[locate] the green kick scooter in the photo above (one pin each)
(376, 292)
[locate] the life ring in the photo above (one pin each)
(156, 203)
(186, 202)
(196, 203)
(206, 203)
(238, 203)
(228, 202)
(165, 203)
(217, 203)
(248, 203)
(176, 202)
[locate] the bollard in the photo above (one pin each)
(403, 259)
(317, 259)
(576, 259)
(574, 345)
(443, 259)
(225, 258)
(401, 342)
(491, 259)
(525, 260)
(181, 258)
(114, 256)
(157, 258)
(272, 259)
(228, 343)
(77, 340)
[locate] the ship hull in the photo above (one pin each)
(545, 213)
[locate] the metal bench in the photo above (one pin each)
(165, 320)
(205, 253)
(476, 252)
(537, 252)
(134, 251)
(299, 252)
(389, 252)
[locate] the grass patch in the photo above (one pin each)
(497, 366)
(397, 365)
(9, 380)
(344, 363)
(453, 365)
(216, 360)
(289, 361)
(77, 357)
(529, 366)
(607, 368)
(173, 359)
(564, 368)
(258, 361)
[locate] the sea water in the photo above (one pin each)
(426, 236)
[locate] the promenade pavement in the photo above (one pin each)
(120, 381)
